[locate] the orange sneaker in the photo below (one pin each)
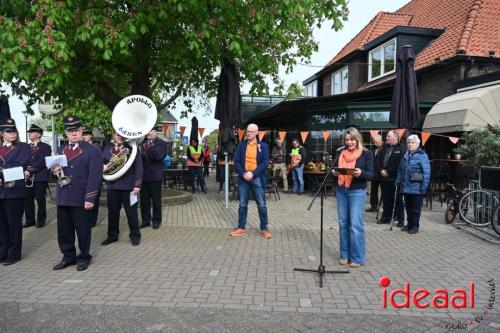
(266, 234)
(237, 232)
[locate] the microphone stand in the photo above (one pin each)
(321, 268)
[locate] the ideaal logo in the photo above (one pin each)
(422, 298)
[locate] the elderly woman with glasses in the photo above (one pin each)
(414, 174)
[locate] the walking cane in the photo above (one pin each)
(394, 206)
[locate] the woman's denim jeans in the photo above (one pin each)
(298, 179)
(351, 213)
(244, 188)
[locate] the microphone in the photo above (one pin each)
(341, 148)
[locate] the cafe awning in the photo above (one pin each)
(465, 111)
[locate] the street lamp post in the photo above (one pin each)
(25, 112)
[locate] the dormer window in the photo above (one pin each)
(311, 89)
(340, 80)
(382, 60)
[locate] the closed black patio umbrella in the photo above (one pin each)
(228, 107)
(228, 112)
(4, 109)
(194, 130)
(404, 108)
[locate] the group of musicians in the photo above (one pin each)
(78, 189)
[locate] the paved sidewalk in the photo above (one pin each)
(190, 268)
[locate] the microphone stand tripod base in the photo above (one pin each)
(321, 271)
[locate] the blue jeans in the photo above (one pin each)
(298, 179)
(244, 189)
(351, 213)
(196, 171)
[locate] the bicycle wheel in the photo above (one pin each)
(476, 207)
(450, 214)
(495, 223)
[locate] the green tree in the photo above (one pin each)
(108, 49)
(481, 147)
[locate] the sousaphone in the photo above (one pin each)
(133, 117)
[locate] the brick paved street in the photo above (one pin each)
(190, 262)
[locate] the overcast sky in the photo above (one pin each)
(330, 43)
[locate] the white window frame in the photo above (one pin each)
(314, 87)
(343, 89)
(382, 60)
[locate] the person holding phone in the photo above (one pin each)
(354, 169)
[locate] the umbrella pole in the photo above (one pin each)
(226, 181)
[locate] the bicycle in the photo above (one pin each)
(453, 201)
(477, 207)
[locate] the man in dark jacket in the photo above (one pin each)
(251, 160)
(278, 156)
(388, 165)
(298, 158)
(375, 183)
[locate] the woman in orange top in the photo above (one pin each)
(351, 195)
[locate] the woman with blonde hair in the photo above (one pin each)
(353, 169)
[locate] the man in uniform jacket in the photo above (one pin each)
(38, 177)
(119, 192)
(153, 151)
(94, 212)
(76, 199)
(12, 194)
(388, 164)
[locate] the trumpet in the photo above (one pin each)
(62, 179)
(30, 180)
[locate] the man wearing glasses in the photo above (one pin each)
(251, 160)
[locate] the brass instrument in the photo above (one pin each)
(117, 161)
(30, 181)
(62, 180)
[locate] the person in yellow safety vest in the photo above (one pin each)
(194, 162)
(298, 158)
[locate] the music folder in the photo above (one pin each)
(344, 171)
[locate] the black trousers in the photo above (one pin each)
(117, 199)
(11, 229)
(413, 204)
(388, 189)
(196, 172)
(151, 192)
(71, 220)
(37, 192)
(94, 212)
(206, 170)
(222, 175)
(374, 193)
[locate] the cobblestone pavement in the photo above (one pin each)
(190, 269)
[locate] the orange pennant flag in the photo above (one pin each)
(425, 137)
(401, 132)
(261, 135)
(453, 139)
(165, 128)
(326, 134)
(241, 134)
(374, 133)
(282, 135)
(304, 135)
(201, 130)
(182, 128)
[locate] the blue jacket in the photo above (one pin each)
(132, 177)
(37, 161)
(19, 156)
(415, 162)
(152, 160)
(262, 161)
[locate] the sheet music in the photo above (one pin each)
(133, 198)
(60, 160)
(12, 174)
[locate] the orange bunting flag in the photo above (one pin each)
(165, 128)
(425, 137)
(241, 134)
(282, 135)
(182, 128)
(303, 135)
(453, 139)
(401, 132)
(326, 135)
(374, 133)
(201, 130)
(261, 135)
